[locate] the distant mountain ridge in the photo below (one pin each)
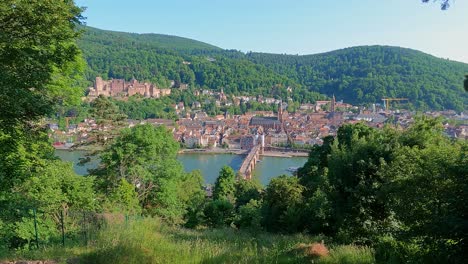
(358, 75)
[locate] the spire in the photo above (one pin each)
(333, 102)
(280, 111)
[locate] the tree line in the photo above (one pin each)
(401, 192)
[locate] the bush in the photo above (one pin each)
(250, 215)
(219, 213)
(389, 250)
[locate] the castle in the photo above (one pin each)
(121, 88)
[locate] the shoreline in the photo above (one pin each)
(243, 152)
(285, 154)
(280, 154)
(213, 151)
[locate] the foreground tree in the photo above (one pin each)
(145, 156)
(37, 48)
(109, 120)
(282, 204)
(224, 187)
(444, 4)
(401, 191)
(40, 68)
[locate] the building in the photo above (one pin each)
(265, 122)
(247, 142)
(121, 88)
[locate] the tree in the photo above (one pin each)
(122, 199)
(108, 118)
(250, 215)
(281, 204)
(219, 213)
(38, 60)
(145, 156)
(247, 190)
(444, 4)
(40, 68)
(137, 155)
(53, 189)
(37, 46)
(224, 187)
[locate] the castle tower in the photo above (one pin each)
(99, 84)
(147, 90)
(262, 143)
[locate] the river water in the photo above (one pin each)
(208, 164)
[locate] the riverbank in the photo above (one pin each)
(285, 154)
(213, 151)
(243, 152)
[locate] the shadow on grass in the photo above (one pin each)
(118, 254)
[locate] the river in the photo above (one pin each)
(208, 164)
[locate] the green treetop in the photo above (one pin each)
(36, 47)
(225, 184)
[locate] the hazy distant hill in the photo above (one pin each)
(357, 75)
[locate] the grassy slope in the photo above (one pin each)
(150, 241)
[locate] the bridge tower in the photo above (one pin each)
(262, 143)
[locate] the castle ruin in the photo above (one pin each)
(121, 88)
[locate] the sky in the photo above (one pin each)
(293, 26)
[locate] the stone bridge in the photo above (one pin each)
(250, 161)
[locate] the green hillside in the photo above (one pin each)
(125, 55)
(154, 241)
(368, 73)
(358, 75)
(156, 41)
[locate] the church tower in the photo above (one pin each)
(332, 106)
(280, 112)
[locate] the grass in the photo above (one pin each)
(349, 255)
(150, 241)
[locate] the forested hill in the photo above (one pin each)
(368, 73)
(156, 41)
(125, 55)
(356, 75)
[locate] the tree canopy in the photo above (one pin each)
(444, 4)
(37, 54)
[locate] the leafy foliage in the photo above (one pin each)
(362, 192)
(282, 201)
(224, 187)
(37, 55)
(108, 118)
(145, 156)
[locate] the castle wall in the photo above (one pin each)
(118, 87)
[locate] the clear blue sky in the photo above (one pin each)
(293, 26)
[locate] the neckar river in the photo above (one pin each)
(208, 164)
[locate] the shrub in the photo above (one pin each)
(219, 213)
